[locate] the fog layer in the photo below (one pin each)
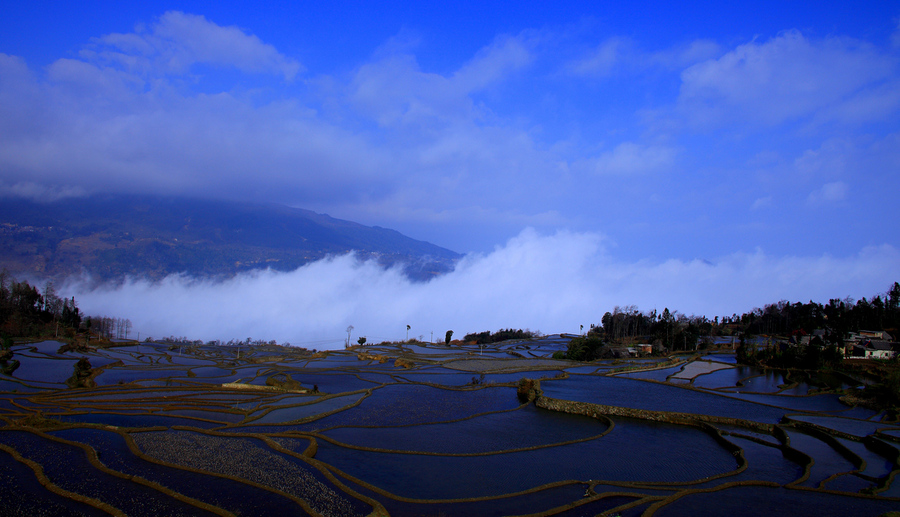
(552, 283)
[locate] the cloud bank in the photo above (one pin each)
(552, 283)
(549, 127)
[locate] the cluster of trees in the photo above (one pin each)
(815, 356)
(672, 330)
(587, 348)
(110, 328)
(677, 331)
(838, 316)
(487, 337)
(26, 311)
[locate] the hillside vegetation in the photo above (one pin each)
(113, 236)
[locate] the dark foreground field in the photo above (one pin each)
(441, 431)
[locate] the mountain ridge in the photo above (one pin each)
(109, 237)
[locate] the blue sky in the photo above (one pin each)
(666, 133)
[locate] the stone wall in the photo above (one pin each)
(593, 410)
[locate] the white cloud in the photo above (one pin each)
(782, 79)
(394, 90)
(601, 60)
(116, 119)
(631, 158)
(21, 106)
(683, 56)
(830, 159)
(14, 71)
(876, 102)
(829, 193)
(553, 283)
(39, 193)
(493, 63)
(869, 162)
(623, 54)
(476, 151)
(762, 202)
(179, 40)
(216, 144)
(91, 82)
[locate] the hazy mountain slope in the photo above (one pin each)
(112, 236)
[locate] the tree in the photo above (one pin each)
(666, 316)
(349, 330)
(407, 332)
(53, 304)
(361, 341)
(585, 348)
(25, 298)
(743, 352)
(71, 316)
(894, 296)
(447, 337)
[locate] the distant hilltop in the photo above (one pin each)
(110, 237)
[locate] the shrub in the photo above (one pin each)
(525, 390)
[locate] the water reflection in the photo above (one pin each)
(439, 431)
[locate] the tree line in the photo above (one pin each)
(109, 328)
(838, 316)
(26, 311)
(783, 318)
(672, 330)
(488, 337)
(676, 331)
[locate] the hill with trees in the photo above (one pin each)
(110, 237)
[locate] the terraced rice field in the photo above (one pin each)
(201, 431)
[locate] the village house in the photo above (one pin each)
(863, 335)
(874, 349)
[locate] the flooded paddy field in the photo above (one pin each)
(425, 429)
